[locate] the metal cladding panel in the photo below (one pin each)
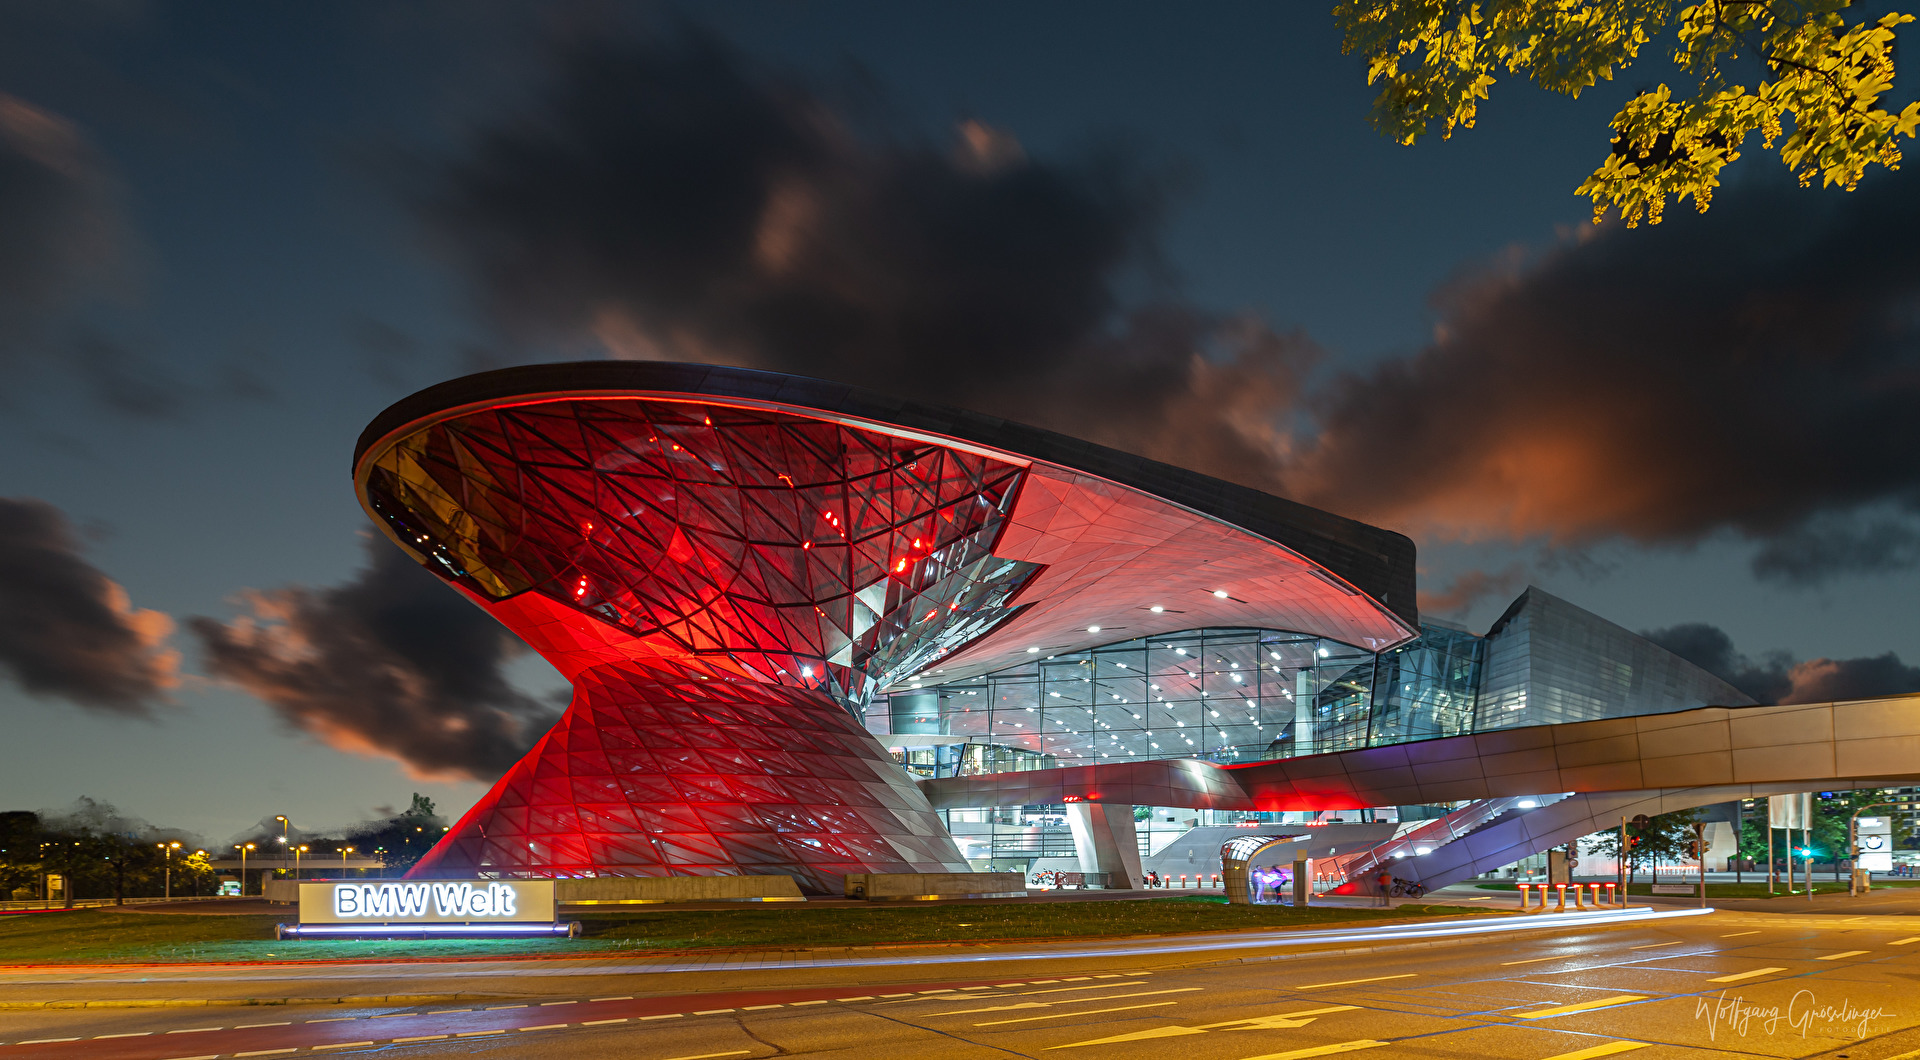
(1812, 745)
(1377, 562)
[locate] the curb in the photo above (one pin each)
(374, 1000)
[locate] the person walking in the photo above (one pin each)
(1386, 887)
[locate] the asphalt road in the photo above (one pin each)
(1718, 985)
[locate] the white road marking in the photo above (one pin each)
(424, 1038)
(1594, 1052)
(1584, 1006)
(711, 1056)
(760, 1008)
(1655, 945)
(269, 1052)
(1736, 977)
(1737, 934)
(197, 1030)
(546, 1027)
(1350, 982)
(288, 1023)
(624, 997)
(1069, 1015)
(1530, 960)
(710, 1011)
(129, 1034)
(1903, 942)
(354, 1045)
(1842, 953)
(601, 1023)
(481, 1034)
(1321, 1050)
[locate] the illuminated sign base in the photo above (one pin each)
(427, 909)
(570, 929)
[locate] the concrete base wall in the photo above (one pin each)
(1105, 840)
(901, 885)
(648, 890)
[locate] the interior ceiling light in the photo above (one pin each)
(1156, 609)
(1221, 593)
(1093, 629)
(1033, 651)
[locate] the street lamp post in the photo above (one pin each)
(168, 849)
(297, 851)
(344, 851)
(243, 848)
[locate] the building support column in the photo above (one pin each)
(1104, 840)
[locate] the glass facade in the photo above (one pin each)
(1224, 695)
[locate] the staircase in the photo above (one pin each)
(1428, 836)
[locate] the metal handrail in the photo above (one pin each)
(1436, 833)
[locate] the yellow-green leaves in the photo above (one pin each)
(1435, 59)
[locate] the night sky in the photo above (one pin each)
(230, 235)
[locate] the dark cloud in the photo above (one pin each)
(393, 663)
(1776, 678)
(59, 220)
(1750, 370)
(63, 240)
(66, 631)
(122, 382)
(1470, 587)
(673, 201)
(1767, 680)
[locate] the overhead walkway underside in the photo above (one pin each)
(1606, 769)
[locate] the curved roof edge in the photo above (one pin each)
(1378, 562)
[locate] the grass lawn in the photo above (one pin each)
(1739, 890)
(105, 935)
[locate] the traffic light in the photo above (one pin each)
(1693, 849)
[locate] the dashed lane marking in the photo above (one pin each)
(482, 1034)
(1655, 945)
(251, 1026)
(45, 1041)
(1584, 1006)
(1594, 1052)
(601, 1023)
(1738, 976)
(1351, 982)
(424, 1038)
(352, 1045)
(623, 997)
(547, 1027)
(267, 1052)
(1082, 1012)
(711, 1056)
(1842, 953)
(710, 1011)
(197, 1030)
(1737, 934)
(1903, 942)
(1530, 960)
(758, 1008)
(129, 1034)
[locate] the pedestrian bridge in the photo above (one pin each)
(1582, 777)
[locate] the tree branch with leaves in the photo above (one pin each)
(1812, 68)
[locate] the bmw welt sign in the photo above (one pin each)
(427, 902)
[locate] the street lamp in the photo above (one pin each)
(344, 851)
(297, 851)
(243, 866)
(168, 849)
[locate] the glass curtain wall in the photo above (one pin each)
(1225, 695)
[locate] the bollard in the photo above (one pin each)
(1579, 897)
(1612, 899)
(1596, 896)
(1183, 879)
(1562, 907)
(1216, 879)
(1525, 890)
